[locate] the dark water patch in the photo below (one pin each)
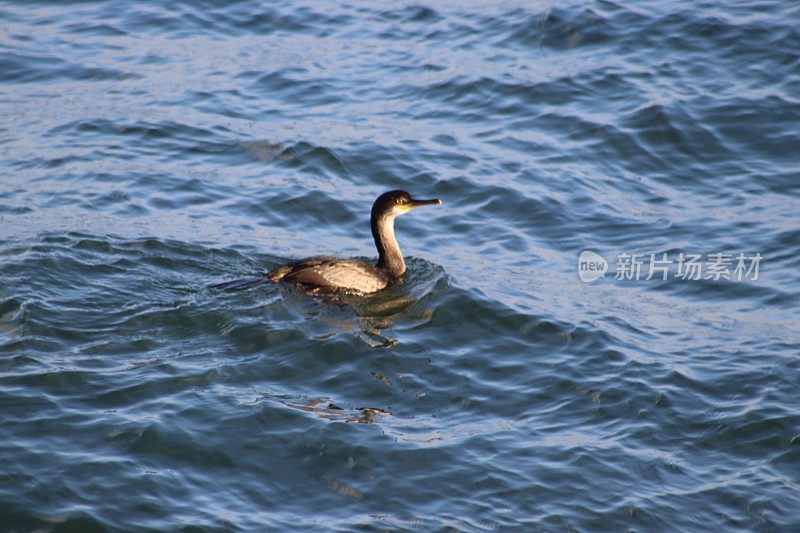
(296, 89)
(556, 28)
(99, 29)
(766, 118)
(18, 68)
(318, 160)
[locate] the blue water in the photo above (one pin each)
(150, 149)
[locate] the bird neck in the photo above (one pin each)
(390, 258)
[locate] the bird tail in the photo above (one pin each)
(241, 284)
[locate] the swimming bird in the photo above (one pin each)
(326, 274)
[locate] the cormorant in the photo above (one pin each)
(327, 274)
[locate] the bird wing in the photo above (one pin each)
(330, 273)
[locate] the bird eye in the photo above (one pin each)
(401, 200)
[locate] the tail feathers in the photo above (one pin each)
(239, 284)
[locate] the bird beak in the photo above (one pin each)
(414, 203)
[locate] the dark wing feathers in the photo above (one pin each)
(330, 273)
